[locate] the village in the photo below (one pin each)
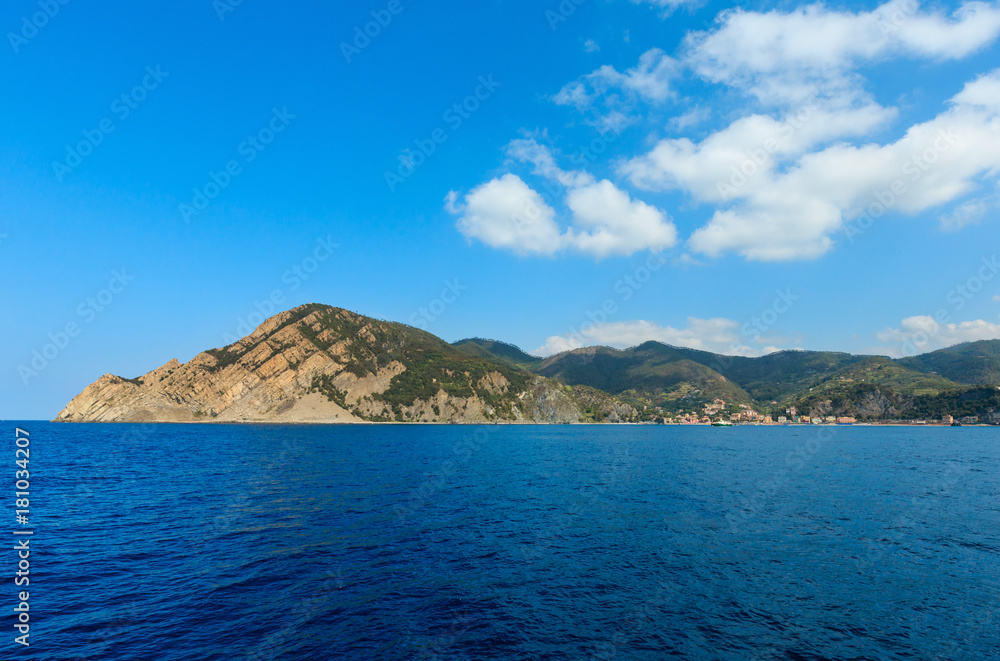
(719, 413)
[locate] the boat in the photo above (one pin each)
(722, 423)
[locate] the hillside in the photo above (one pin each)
(497, 351)
(651, 374)
(868, 402)
(785, 374)
(974, 363)
(319, 363)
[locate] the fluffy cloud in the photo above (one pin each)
(649, 81)
(803, 169)
(716, 335)
(779, 56)
(609, 222)
(506, 213)
(605, 220)
(788, 198)
(923, 333)
(757, 142)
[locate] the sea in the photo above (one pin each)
(577, 542)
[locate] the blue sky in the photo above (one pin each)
(586, 147)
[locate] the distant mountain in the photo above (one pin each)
(972, 363)
(663, 372)
(652, 374)
(784, 374)
(318, 363)
(868, 402)
(496, 350)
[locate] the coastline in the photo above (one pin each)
(505, 422)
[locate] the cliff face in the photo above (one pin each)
(321, 364)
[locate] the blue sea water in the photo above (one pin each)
(198, 542)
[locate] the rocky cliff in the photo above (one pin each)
(316, 363)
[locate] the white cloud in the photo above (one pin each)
(605, 220)
(669, 6)
(609, 222)
(802, 170)
(921, 334)
(650, 81)
(574, 94)
(590, 46)
(528, 150)
(792, 197)
(507, 213)
(692, 117)
(715, 335)
(778, 56)
(700, 168)
(970, 212)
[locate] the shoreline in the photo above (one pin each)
(503, 423)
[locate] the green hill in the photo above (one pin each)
(364, 369)
(784, 374)
(650, 374)
(974, 363)
(824, 382)
(868, 402)
(497, 351)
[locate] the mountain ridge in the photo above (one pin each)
(318, 363)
